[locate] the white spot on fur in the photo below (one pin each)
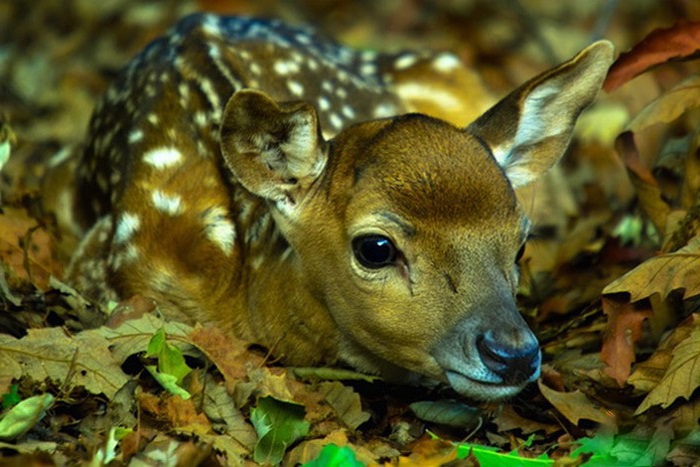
(127, 226)
(335, 120)
(135, 136)
(284, 68)
(446, 62)
(419, 92)
(219, 229)
(295, 87)
(169, 204)
(161, 158)
(348, 111)
(384, 110)
(323, 104)
(405, 61)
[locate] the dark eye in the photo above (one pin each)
(374, 251)
(521, 251)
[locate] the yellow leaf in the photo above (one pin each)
(669, 106)
(682, 376)
(575, 406)
(663, 274)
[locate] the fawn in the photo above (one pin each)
(306, 196)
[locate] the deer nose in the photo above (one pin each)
(515, 364)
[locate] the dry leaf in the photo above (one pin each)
(230, 355)
(133, 335)
(576, 406)
(679, 41)
(648, 374)
(669, 106)
(663, 274)
(219, 407)
(646, 186)
(624, 329)
(682, 376)
(83, 360)
(345, 402)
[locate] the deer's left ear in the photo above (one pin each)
(275, 150)
(530, 129)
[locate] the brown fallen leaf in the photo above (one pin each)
(624, 330)
(682, 40)
(682, 377)
(80, 360)
(669, 106)
(662, 274)
(576, 406)
(219, 407)
(230, 355)
(133, 335)
(648, 191)
(648, 374)
(345, 402)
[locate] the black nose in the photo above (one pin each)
(516, 364)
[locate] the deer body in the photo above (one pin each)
(255, 177)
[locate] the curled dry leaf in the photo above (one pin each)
(669, 106)
(677, 42)
(646, 186)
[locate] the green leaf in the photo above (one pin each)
(489, 457)
(278, 424)
(631, 449)
(23, 416)
(168, 382)
(172, 367)
(155, 345)
(11, 398)
(335, 456)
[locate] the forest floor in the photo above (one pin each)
(610, 284)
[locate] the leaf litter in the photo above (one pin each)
(610, 285)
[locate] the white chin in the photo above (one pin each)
(481, 390)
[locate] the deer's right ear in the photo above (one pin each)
(530, 129)
(275, 150)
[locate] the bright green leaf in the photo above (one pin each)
(23, 416)
(168, 382)
(335, 456)
(11, 398)
(155, 345)
(278, 424)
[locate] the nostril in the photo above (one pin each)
(514, 364)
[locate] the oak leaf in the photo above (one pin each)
(682, 377)
(663, 274)
(648, 374)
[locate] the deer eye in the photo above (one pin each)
(374, 251)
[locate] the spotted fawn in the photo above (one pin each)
(337, 206)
